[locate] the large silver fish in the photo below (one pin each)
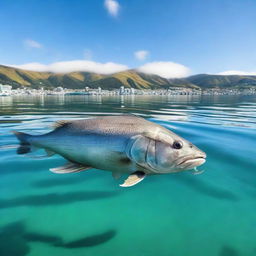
(120, 144)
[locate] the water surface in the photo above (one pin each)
(87, 213)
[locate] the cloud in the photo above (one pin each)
(32, 44)
(112, 7)
(237, 72)
(165, 69)
(141, 55)
(75, 65)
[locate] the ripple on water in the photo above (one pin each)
(89, 214)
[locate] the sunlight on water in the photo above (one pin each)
(87, 213)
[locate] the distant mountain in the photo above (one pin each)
(176, 82)
(221, 81)
(135, 79)
(19, 78)
(130, 78)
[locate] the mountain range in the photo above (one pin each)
(130, 78)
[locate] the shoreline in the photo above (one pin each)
(128, 92)
(186, 92)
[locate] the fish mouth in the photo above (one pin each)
(192, 162)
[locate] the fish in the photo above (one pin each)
(124, 145)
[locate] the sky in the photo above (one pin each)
(171, 38)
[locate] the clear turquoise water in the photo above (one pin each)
(87, 213)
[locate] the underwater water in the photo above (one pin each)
(87, 213)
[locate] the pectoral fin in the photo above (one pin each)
(70, 168)
(133, 179)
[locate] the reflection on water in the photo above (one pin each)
(211, 214)
(233, 110)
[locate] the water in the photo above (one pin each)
(87, 213)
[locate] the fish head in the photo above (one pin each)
(179, 155)
(165, 153)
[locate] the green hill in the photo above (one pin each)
(18, 77)
(221, 81)
(23, 78)
(130, 78)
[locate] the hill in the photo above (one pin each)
(135, 79)
(130, 78)
(221, 81)
(24, 78)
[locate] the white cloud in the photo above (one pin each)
(237, 72)
(74, 65)
(112, 7)
(32, 44)
(33, 66)
(141, 55)
(165, 69)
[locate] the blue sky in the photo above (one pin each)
(184, 36)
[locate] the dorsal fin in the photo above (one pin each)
(61, 123)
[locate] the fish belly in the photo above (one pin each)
(100, 152)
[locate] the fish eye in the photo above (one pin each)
(177, 144)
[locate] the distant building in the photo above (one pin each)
(121, 90)
(59, 89)
(127, 91)
(5, 89)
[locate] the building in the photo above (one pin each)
(59, 89)
(5, 89)
(121, 90)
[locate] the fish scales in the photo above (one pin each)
(119, 144)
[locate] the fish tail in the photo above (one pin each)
(25, 145)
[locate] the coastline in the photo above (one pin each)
(128, 91)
